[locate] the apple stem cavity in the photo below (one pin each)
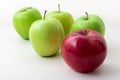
(86, 16)
(58, 8)
(25, 9)
(29, 7)
(44, 14)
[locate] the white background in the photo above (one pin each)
(18, 60)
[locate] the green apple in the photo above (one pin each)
(90, 21)
(64, 17)
(23, 19)
(46, 36)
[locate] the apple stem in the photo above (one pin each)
(86, 32)
(83, 32)
(86, 16)
(44, 14)
(59, 8)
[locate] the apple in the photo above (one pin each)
(90, 21)
(46, 36)
(64, 17)
(84, 50)
(23, 19)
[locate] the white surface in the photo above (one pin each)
(18, 60)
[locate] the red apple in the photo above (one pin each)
(84, 50)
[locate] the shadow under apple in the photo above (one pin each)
(104, 71)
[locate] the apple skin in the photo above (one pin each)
(23, 19)
(93, 22)
(46, 36)
(84, 50)
(64, 17)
